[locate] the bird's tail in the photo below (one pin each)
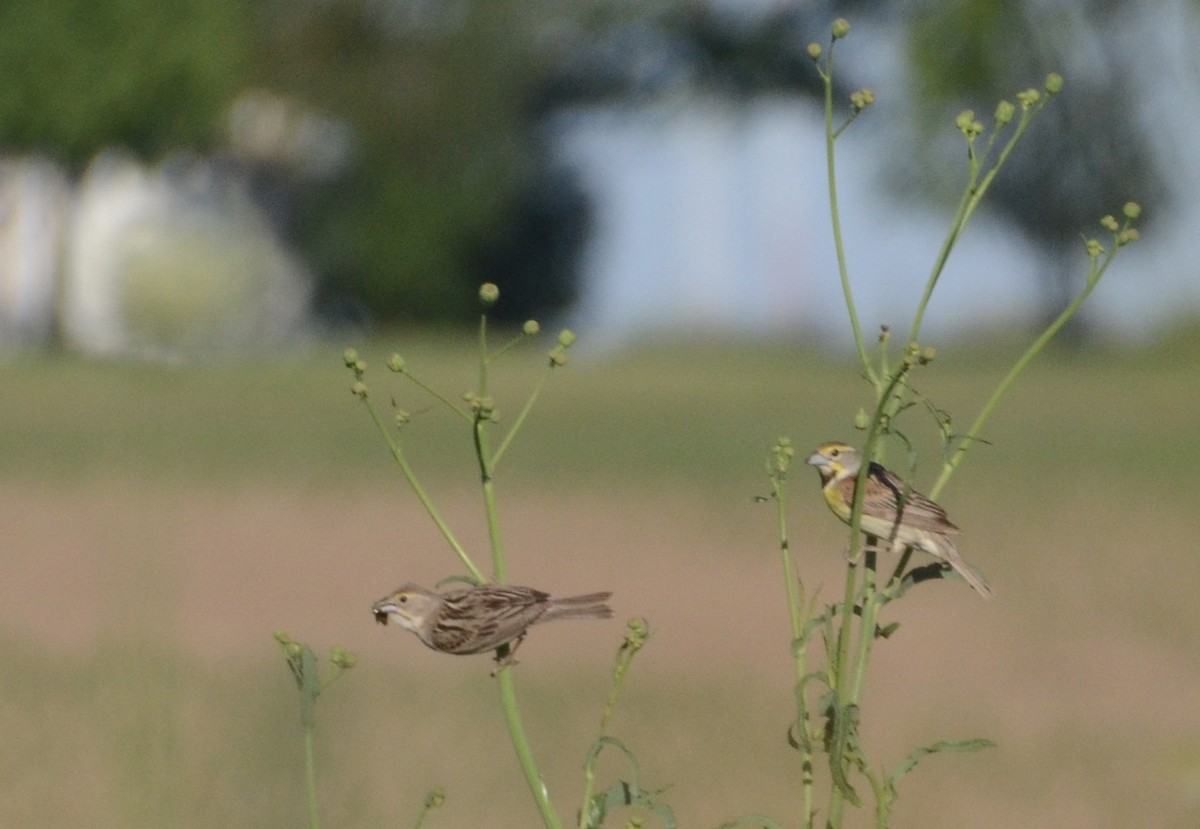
(948, 553)
(591, 606)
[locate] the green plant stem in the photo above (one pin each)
(398, 453)
(499, 569)
(797, 607)
(1002, 389)
(310, 777)
(504, 676)
(839, 247)
(847, 685)
(525, 410)
(516, 732)
(972, 196)
(436, 395)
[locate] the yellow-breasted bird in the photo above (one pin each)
(919, 523)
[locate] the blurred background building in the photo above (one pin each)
(188, 179)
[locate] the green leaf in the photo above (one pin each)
(910, 762)
(751, 820)
(843, 748)
(622, 794)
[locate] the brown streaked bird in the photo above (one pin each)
(478, 619)
(920, 523)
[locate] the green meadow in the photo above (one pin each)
(161, 523)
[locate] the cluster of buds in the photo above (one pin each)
(1122, 233)
(915, 355)
(359, 366)
(837, 30)
(558, 354)
(484, 408)
(861, 99)
(781, 456)
(968, 124)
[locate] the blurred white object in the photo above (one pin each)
(175, 262)
(34, 199)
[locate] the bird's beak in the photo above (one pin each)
(817, 459)
(383, 609)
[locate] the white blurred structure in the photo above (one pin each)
(174, 263)
(712, 216)
(34, 199)
(168, 263)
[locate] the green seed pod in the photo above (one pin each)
(840, 28)
(395, 363)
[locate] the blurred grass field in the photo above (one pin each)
(161, 523)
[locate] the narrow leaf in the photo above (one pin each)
(910, 762)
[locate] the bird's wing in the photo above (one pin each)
(885, 491)
(485, 618)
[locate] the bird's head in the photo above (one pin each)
(835, 460)
(410, 606)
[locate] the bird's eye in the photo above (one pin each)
(833, 453)
(402, 598)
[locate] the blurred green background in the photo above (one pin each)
(161, 524)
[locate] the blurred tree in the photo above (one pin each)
(438, 96)
(1088, 153)
(149, 75)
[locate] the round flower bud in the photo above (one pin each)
(360, 366)
(815, 50)
(566, 338)
(342, 658)
(1132, 210)
(1054, 83)
(395, 363)
(349, 357)
(965, 119)
(1128, 235)
(1004, 112)
(1094, 249)
(1109, 223)
(531, 327)
(488, 294)
(840, 28)
(359, 389)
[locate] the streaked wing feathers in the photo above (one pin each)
(485, 618)
(885, 491)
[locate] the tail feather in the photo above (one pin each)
(950, 555)
(591, 606)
